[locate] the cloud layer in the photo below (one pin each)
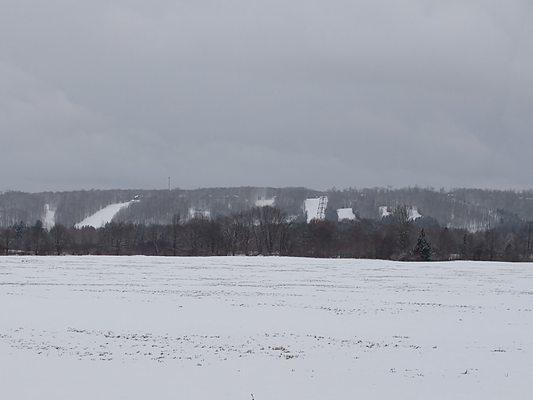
(313, 93)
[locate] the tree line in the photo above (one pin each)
(268, 231)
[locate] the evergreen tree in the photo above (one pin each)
(422, 249)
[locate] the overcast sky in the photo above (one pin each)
(316, 93)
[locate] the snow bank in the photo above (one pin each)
(103, 216)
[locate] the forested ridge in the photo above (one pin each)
(471, 209)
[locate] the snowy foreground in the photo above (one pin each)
(277, 328)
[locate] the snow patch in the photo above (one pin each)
(384, 211)
(413, 213)
(316, 208)
(291, 218)
(265, 202)
(198, 213)
(103, 216)
(345, 214)
(474, 227)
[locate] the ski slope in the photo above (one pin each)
(90, 328)
(312, 208)
(103, 216)
(345, 214)
(49, 218)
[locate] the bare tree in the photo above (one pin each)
(176, 227)
(59, 237)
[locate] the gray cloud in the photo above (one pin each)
(314, 93)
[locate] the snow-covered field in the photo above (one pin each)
(275, 328)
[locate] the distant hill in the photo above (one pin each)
(472, 209)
